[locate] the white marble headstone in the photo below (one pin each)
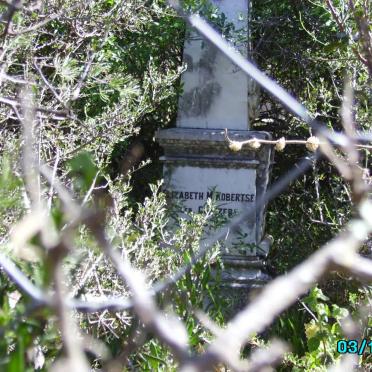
(215, 90)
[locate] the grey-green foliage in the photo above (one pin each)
(153, 242)
(96, 69)
(11, 186)
(301, 46)
(131, 53)
(99, 69)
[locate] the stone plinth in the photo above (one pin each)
(198, 165)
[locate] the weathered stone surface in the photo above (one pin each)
(198, 164)
(215, 90)
(234, 191)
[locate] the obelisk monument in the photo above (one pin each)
(198, 163)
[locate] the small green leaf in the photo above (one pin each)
(84, 170)
(314, 342)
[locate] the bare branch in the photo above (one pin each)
(7, 16)
(261, 359)
(46, 82)
(168, 328)
(284, 291)
(15, 105)
(355, 265)
(28, 158)
(23, 283)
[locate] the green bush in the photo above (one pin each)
(106, 75)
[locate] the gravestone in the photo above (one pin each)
(215, 90)
(198, 163)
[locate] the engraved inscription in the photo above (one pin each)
(215, 195)
(233, 190)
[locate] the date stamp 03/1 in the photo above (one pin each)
(354, 346)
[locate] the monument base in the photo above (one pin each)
(198, 165)
(239, 279)
(244, 272)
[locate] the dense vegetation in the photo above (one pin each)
(85, 85)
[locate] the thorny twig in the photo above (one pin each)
(340, 253)
(312, 143)
(364, 33)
